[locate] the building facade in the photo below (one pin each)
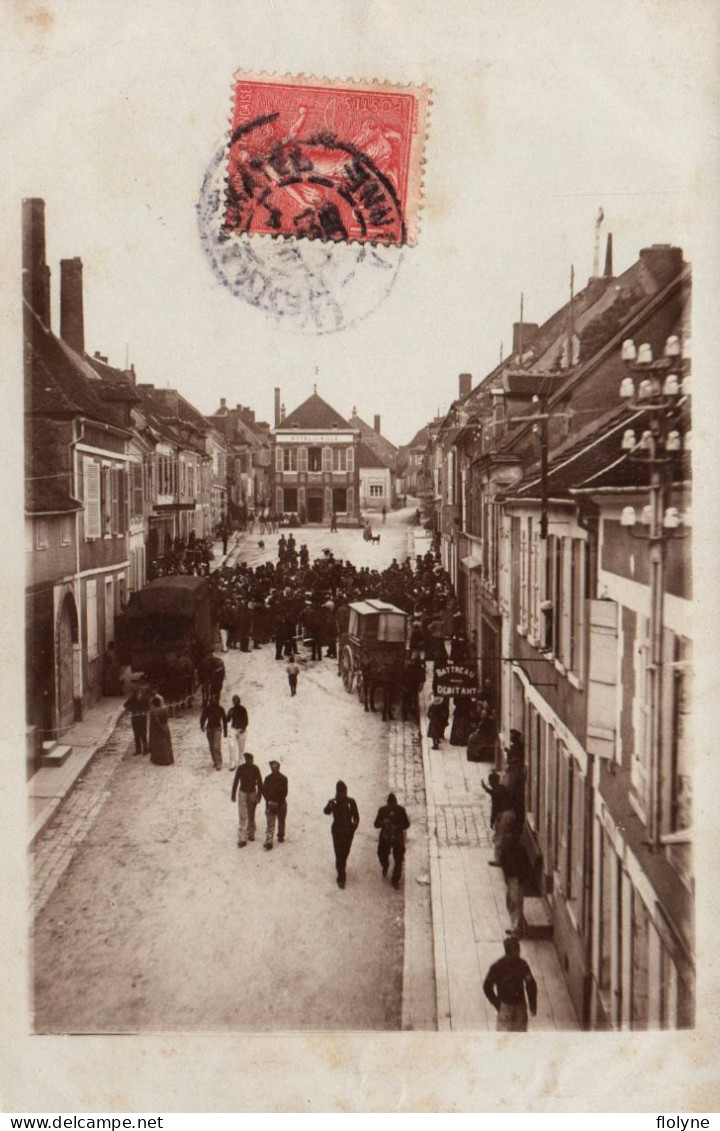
(315, 464)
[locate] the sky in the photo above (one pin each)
(541, 113)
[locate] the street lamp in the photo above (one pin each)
(659, 389)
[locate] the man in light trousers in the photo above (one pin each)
(247, 787)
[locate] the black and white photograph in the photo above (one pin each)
(360, 661)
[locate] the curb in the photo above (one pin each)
(442, 981)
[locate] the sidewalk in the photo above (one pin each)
(469, 918)
(50, 786)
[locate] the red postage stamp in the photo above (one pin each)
(325, 160)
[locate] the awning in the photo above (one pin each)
(471, 562)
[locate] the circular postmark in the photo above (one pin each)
(314, 282)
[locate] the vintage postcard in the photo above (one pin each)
(359, 407)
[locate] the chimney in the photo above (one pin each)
(282, 413)
(465, 385)
(523, 335)
(36, 273)
(72, 328)
(223, 403)
(663, 261)
(376, 424)
(608, 272)
(277, 407)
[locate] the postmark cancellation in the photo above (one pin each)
(324, 159)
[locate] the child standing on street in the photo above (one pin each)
(293, 671)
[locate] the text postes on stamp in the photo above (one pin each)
(327, 160)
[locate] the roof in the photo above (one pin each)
(58, 381)
(314, 413)
(366, 457)
(597, 461)
(374, 439)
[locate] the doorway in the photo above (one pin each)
(314, 504)
(66, 637)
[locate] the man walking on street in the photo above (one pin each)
(508, 982)
(138, 705)
(238, 719)
(392, 820)
(213, 721)
(514, 865)
(275, 791)
(346, 818)
(247, 785)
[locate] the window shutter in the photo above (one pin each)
(350, 466)
(278, 459)
(124, 501)
(350, 500)
(278, 500)
(602, 682)
(327, 459)
(137, 489)
(523, 578)
(535, 587)
(115, 507)
(91, 615)
(92, 498)
(328, 502)
(566, 608)
(303, 459)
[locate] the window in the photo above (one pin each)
(66, 532)
(340, 500)
(314, 459)
(376, 490)
(93, 515)
(290, 459)
(290, 500)
(92, 620)
(339, 458)
(42, 538)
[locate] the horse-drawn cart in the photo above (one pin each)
(377, 634)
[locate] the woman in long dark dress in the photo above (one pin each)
(462, 720)
(159, 738)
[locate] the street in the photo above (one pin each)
(159, 922)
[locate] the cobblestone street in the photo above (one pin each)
(149, 910)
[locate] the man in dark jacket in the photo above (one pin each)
(508, 982)
(247, 786)
(346, 818)
(392, 820)
(275, 791)
(139, 705)
(213, 721)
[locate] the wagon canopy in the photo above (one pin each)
(177, 596)
(377, 620)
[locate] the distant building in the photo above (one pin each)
(315, 467)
